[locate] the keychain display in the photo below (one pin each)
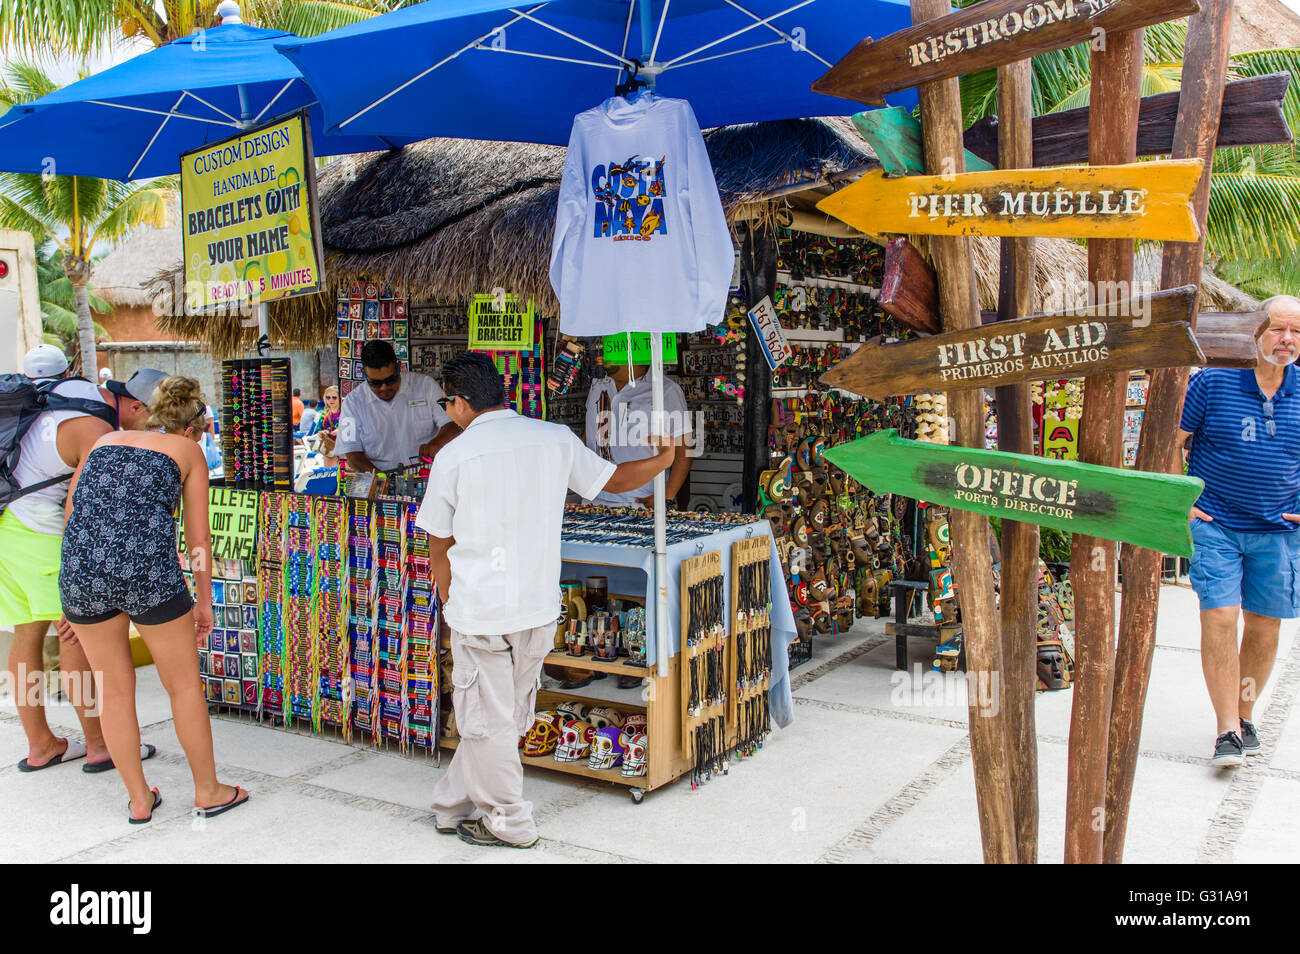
(750, 662)
(706, 665)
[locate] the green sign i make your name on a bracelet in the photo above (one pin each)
(1145, 509)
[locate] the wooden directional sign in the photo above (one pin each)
(895, 137)
(1145, 509)
(1153, 332)
(1251, 116)
(1228, 338)
(1150, 200)
(984, 35)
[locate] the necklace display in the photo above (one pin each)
(751, 627)
(706, 665)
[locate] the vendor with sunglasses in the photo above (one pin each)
(390, 420)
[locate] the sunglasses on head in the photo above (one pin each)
(382, 382)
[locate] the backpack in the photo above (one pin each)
(22, 400)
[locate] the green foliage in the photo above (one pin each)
(1253, 222)
(1053, 545)
(59, 302)
(88, 26)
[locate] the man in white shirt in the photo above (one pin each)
(393, 421)
(618, 428)
(493, 509)
(31, 539)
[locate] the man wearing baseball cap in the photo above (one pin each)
(45, 361)
(31, 538)
(132, 397)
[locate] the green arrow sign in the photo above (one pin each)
(1145, 509)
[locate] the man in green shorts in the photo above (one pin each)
(31, 540)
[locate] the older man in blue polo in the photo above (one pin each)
(1243, 428)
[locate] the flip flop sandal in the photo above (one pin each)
(215, 810)
(75, 750)
(157, 801)
(147, 752)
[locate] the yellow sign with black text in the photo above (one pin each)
(250, 220)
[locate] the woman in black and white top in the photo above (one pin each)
(119, 566)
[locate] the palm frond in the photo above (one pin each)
(147, 203)
(57, 26)
(1252, 215)
(1263, 62)
(313, 17)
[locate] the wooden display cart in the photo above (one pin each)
(659, 699)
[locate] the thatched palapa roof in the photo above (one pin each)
(451, 218)
(121, 276)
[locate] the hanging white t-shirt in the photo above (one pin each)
(641, 242)
(625, 434)
(41, 511)
(499, 489)
(390, 432)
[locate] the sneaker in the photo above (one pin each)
(1227, 751)
(1249, 738)
(476, 833)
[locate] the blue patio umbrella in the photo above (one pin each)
(134, 120)
(488, 69)
(491, 69)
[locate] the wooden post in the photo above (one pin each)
(1016, 434)
(1117, 82)
(972, 564)
(1199, 107)
(758, 261)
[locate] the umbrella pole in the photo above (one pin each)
(263, 328)
(660, 506)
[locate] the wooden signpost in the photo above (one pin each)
(895, 137)
(1149, 510)
(1251, 115)
(990, 744)
(1149, 333)
(1227, 338)
(1149, 200)
(1205, 60)
(981, 36)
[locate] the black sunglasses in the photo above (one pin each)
(442, 402)
(381, 382)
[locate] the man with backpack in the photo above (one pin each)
(47, 427)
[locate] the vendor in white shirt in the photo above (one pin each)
(618, 428)
(393, 420)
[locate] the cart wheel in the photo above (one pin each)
(637, 795)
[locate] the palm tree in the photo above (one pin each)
(74, 213)
(87, 26)
(59, 319)
(1253, 222)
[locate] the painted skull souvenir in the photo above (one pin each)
(634, 755)
(603, 717)
(636, 722)
(544, 735)
(572, 709)
(575, 741)
(606, 749)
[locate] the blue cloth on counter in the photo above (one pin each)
(630, 572)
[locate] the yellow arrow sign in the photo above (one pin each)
(1141, 200)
